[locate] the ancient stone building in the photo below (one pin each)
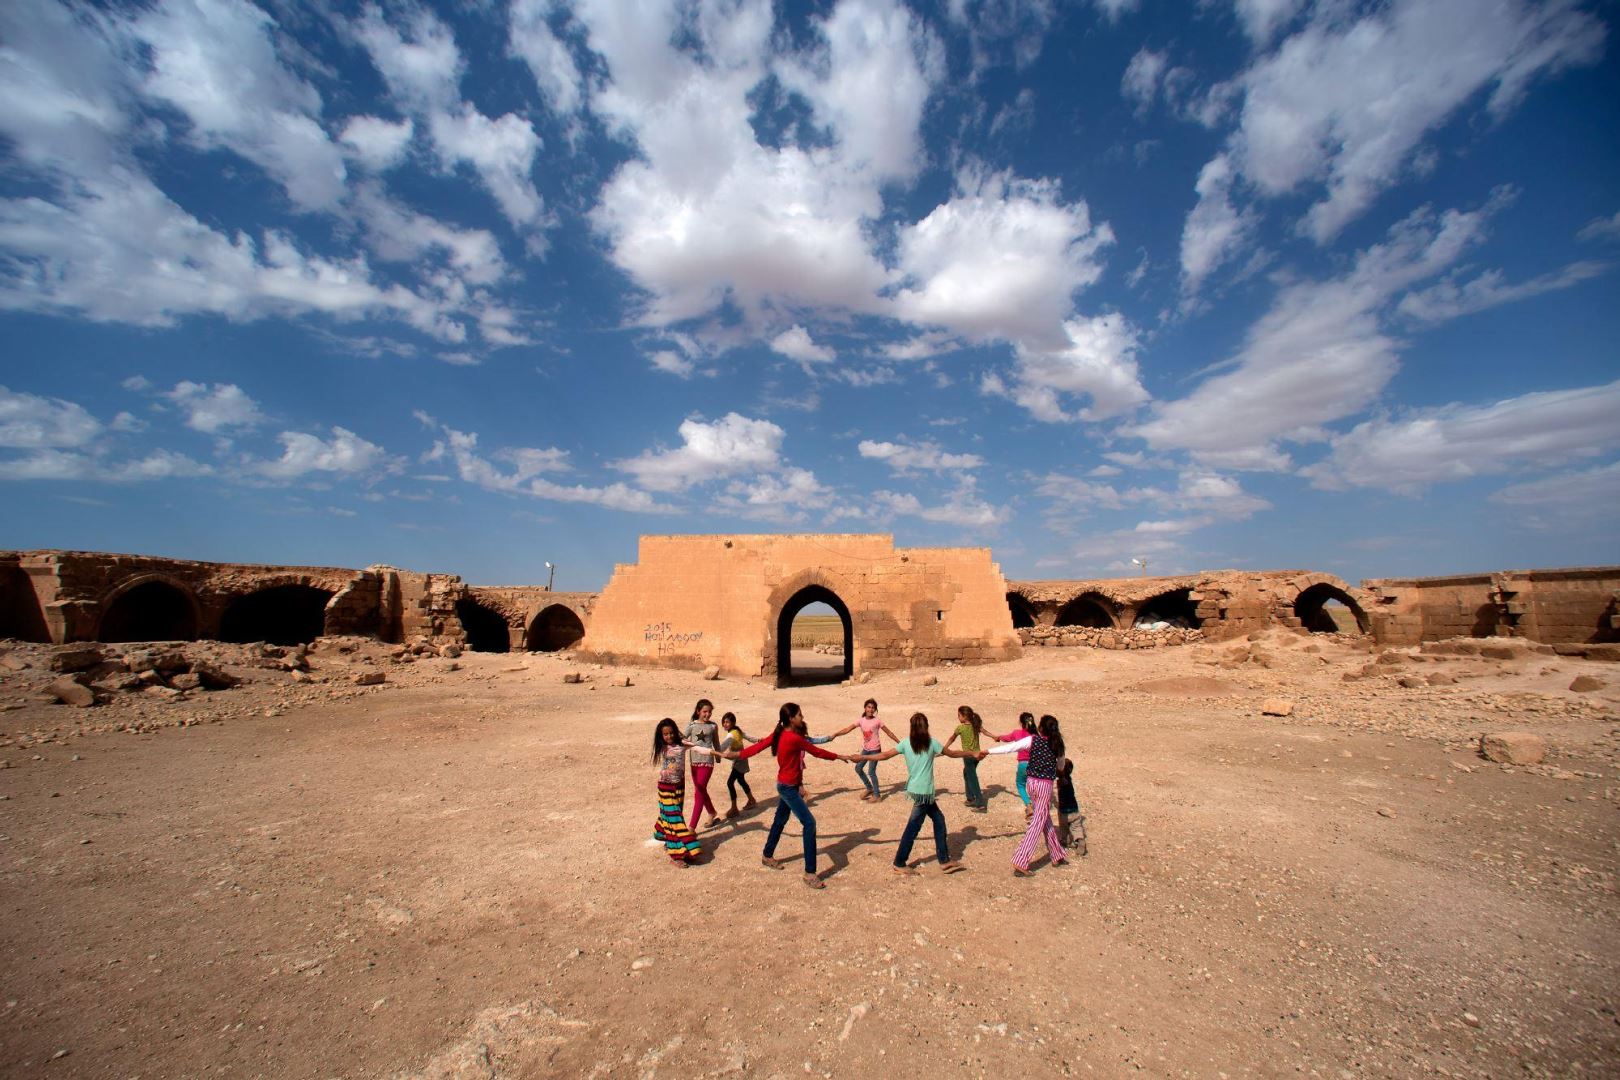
(729, 602)
(1576, 605)
(523, 618)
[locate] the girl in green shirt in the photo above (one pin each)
(920, 750)
(969, 727)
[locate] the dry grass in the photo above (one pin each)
(812, 630)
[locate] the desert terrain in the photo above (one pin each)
(449, 873)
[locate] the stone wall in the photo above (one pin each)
(700, 601)
(1093, 638)
(1576, 605)
(531, 610)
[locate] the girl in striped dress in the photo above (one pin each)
(669, 754)
(1045, 746)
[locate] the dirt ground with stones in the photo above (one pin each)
(449, 874)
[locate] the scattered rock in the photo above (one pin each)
(1412, 682)
(1585, 684)
(1470, 1019)
(70, 691)
(188, 680)
(1498, 652)
(1605, 651)
(932, 680)
(1384, 811)
(77, 658)
(1440, 678)
(573, 677)
(1276, 707)
(370, 678)
(621, 680)
(641, 963)
(863, 678)
(1513, 747)
(711, 673)
(450, 650)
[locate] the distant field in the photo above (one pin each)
(812, 630)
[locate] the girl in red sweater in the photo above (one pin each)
(789, 745)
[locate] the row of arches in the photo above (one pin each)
(554, 628)
(1322, 608)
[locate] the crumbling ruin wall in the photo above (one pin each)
(1575, 605)
(537, 619)
(727, 601)
(1219, 604)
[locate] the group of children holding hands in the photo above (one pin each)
(1044, 773)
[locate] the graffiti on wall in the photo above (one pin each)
(667, 638)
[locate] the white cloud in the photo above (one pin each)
(462, 448)
(1450, 298)
(963, 508)
(1564, 498)
(377, 144)
(1456, 442)
(1320, 353)
(1262, 19)
(1000, 261)
(548, 58)
(399, 234)
(1141, 81)
(782, 498)
(344, 453)
(214, 61)
(906, 457)
(1600, 229)
(1215, 229)
(1099, 362)
(217, 408)
(423, 67)
(1113, 9)
(796, 344)
(995, 26)
(75, 465)
(1347, 101)
(1210, 496)
(31, 422)
(671, 362)
(728, 446)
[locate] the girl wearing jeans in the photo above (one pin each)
(704, 737)
(789, 745)
(732, 738)
(969, 728)
(1045, 746)
(920, 750)
(865, 767)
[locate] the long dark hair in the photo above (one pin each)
(697, 710)
(1053, 737)
(1026, 720)
(976, 721)
(658, 738)
(784, 720)
(920, 739)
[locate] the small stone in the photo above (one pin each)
(77, 658)
(1412, 682)
(1440, 678)
(187, 681)
(1276, 707)
(1384, 811)
(641, 963)
(931, 680)
(1513, 747)
(622, 680)
(450, 650)
(1585, 684)
(573, 677)
(1470, 1019)
(370, 678)
(863, 678)
(711, 673)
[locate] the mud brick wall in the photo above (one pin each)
(699, 601)
(1579, 605)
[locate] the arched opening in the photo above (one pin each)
(1023, 613)
(151, 611)
(1169, 610)
(554, 629)
(485, 628)
(825, 621)
(281, 615)
(1326, 609)
(20, 613)
(1087, 610)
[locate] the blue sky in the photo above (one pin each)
(470, 287)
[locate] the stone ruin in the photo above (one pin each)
(728, 603)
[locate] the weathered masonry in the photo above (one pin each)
(729, 602)
(91, 596)
(1576, 605)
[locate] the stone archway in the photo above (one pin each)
(293, 614)
(1175, 608)
(486, 628)
(553, 629)
(149, 608)
(1090, 610)
(1023, 612)
(1310, 608)
(786, 675)
(21, 617)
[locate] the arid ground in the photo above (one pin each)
(450, 875)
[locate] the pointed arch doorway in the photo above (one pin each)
(803, 665)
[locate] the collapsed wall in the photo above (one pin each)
(1572, 605)
(729, 602)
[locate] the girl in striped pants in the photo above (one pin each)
(1045, 746)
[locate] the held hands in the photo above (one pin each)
(981, 755)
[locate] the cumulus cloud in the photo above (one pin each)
(343, 453)
(907, 457)
(523, 477)
(398, 234)
(1262, 19)
(532, 40)
(217, 408)
(964, 507)
(796, 344)
(377, 144)
(1000, 261)
(671, 362)
(1215, 229)
(1319, 354)
(1455, 442)
(31, 422)
(708, 451)
(1098, 363)
(1579, 496)
(53, 464)
(783, 498)
(1347, 101)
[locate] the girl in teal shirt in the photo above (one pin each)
(920, 750)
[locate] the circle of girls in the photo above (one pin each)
(1044, 776)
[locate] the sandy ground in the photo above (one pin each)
(450, 875)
